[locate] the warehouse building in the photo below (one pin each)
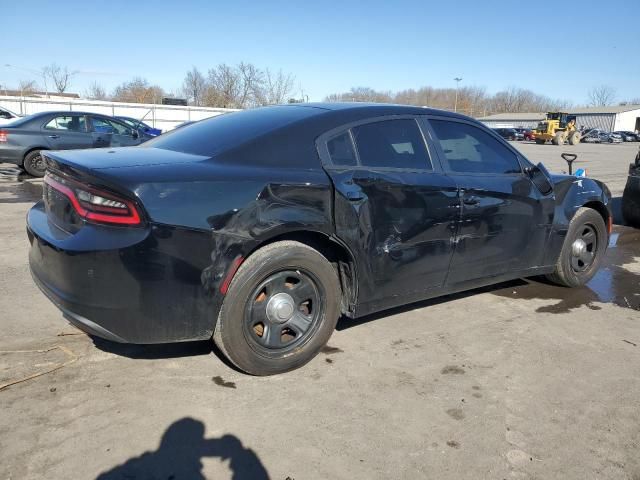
(618, 118)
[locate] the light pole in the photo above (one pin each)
(455, 105)
(37, 72)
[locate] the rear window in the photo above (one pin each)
(223, 132)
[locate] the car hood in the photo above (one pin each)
(110, 158)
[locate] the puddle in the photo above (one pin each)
(615, 282)
(16, 187)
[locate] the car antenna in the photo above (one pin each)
(143, 117)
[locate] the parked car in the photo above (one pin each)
(631, 195)
(527, 134)
(508, 133)
(142, 127)
(610, 137)
(23, 140)
(596, 135)
(628, 136)
(7, 116)
(260, 228)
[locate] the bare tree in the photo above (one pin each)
(245, 86)
(277, 87)
(138, 90)
(194, 86)
(225, 83)
(61, 76)
(27, 87)
(252, 83)
(601, 96)
(95, 92)
(364, 94)
(472, 100)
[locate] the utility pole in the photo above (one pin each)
(455, 105)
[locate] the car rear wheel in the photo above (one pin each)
(280, 310)
(34, 164)
(582, 251)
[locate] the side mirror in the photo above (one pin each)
(134, 133)
(539, 177)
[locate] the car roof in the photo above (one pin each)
(376, 108)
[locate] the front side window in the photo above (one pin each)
(104, 125)
(72, 123)
(469, 149)
(392, 143)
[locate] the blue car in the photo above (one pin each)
(140, 126)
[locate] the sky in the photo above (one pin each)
(562, 51)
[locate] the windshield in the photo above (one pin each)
(132, 122)
(9, 111)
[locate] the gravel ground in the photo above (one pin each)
(522, 380)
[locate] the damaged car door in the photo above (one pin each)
(393, 207)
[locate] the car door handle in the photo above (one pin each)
(471, 201)
(54, 136)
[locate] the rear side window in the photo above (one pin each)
(223, 132)
(392, 143)
(341, 150)
(72, 123)
(469, 149)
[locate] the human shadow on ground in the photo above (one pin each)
(179, 456)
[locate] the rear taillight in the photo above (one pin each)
(95, 205)
(4, 136)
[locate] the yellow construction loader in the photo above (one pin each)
(559, 127)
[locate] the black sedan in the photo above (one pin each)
(261, 228)
(22, 141)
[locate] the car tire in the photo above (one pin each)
(257, 329)
(34, 164)
(631, 207)
(582, 250)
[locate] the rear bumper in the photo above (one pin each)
(133, 285)
(79, 321)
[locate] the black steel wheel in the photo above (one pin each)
(34, 164)
(280, 310)
(583, 249)
(283, 310)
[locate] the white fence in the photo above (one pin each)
(164, 117)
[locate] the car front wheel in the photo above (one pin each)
(583, 249)
(280, 309)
